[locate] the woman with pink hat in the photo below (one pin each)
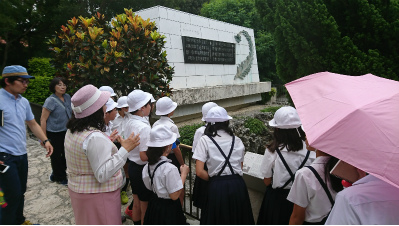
(93, 161)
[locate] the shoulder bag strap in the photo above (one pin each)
(322, 184)
(61, 104)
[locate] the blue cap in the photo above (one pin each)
(15, 70)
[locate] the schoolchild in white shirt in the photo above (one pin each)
(314, 189)
(109, 116)
(163, 179)
(139, 105)
(283, 157)
(200, 190)
(223, 153)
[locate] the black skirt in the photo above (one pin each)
(164, 211)
(275, 209)
(228, 201)
(200, 191)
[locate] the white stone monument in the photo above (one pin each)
(213, 60)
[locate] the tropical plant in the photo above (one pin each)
(255, 125)
(126, 54)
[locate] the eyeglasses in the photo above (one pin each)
(25, 82)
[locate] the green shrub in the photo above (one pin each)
(272, 109)
(187, 133)
(38, 90)
(255, 125)
(38, 66)
(266, 97)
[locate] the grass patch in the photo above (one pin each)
(255, 126)
(271, 109)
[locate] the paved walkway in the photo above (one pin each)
(48, 203)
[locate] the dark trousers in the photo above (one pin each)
(13, 182)
(58, 162)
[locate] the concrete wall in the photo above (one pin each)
(200, 79)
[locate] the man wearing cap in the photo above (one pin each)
(15, 112)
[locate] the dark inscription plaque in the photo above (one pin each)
(202, 51)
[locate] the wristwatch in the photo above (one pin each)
(45, 141)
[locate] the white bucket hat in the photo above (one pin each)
(152, 98)
(122, 102)
(286, 118)
(205, 108)
(137, 99)
(161, 136)
(217, 114)
(165, 105)
(110, 105)
(109, 89)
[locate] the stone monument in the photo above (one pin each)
(213, 61)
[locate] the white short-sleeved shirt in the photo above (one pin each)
(369, 201)
(307, 192)
(138, 125)
(198, 134)
(118, 123)
(207, 152)
(166, 180)
(98, 149)
(165, 120)
(272, 166)
(108, 128)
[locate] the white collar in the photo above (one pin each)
(142, 119)
(167, 119)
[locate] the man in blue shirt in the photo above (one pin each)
(16, 112)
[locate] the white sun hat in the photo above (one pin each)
(205, 108)
(152, 98)
(286, 118)
(165, 105)
(122, 102)
(111, 105)
(161, 136)
(137, 99)
(109, 89)
(217, 114)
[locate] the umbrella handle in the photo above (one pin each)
(346, 184)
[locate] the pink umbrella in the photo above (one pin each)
(354, 118)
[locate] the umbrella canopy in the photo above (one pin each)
(354, 118)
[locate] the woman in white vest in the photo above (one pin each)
(93, 161)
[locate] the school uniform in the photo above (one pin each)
(138, 125)
(163, 179)
(108, 128)
(200, 189)
(281, 167)
(228, 199)
(165, 120)
(308, 192)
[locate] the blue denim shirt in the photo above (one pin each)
(15, 113)
(59, 115)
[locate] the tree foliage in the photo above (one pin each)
(126, 54)
(353, 37)
(244, 13)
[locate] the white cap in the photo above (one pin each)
(286, 118)
(137, 99)
(152, 98)
(161, 136)
(206, 107)
(109, 89)
(122, 102)
(217, 114)
(165, 105)
(110, 105)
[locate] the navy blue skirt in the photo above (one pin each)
(228, 201)
(275, 209)
(200, 191)
(164, 211)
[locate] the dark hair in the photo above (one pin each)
(287, 138)
(56, 81)
(335, 181)
(95, 120)
(212, 130)
(154, 153)
(10, 80)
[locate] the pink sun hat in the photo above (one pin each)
(88, 100)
